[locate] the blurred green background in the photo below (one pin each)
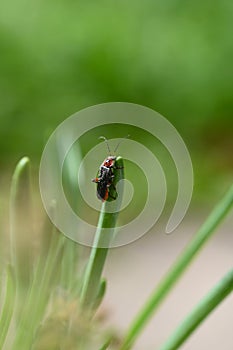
(57, 57)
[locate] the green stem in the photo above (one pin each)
(69, 264)
(106, 345)
(45, 276)
(200, 312)
(8, 306)
(96, 261)
(177, 269)
(95, 265)
(21, 232)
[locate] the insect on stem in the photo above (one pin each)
(106, 189)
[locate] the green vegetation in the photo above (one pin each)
(178, 268)
(58, 57)
(202, 310)
(48, 304)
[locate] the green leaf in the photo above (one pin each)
(101, 294)
(20, 223)
(179, 266)
(8, 305)
(200, 312)
(46, 275)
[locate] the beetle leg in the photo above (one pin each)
(111, 196)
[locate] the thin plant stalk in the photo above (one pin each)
(46, 273)
(173, 275)
(69, 268)
(20, 229)
(8, 306)
(200, 312)
(106, 345)
(95, 265)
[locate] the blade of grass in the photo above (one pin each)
(69, 179)
(182, 262)
(101, 294)
(69, 264)
(200, 312)
(46, 274)
(94, 268)
(8, 306)
(20, 230)
(105, 346)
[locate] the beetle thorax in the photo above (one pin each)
(109, 162)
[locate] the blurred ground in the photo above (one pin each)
(134, 270)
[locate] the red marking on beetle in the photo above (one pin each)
(106, 196)
(106, 176)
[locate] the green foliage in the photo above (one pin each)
(200, 312)
(40, 295)
(21, 229)
(58, 57)
(178, 267)
(8, 306)
(50, 306)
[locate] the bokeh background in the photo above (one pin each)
(174, 56)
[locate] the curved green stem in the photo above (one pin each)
(20, 229)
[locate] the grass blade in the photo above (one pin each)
(101, 294)
(8, 306)
(200, 312)
(21, 232)
(47, 273)
(69, 264)
(183, 261)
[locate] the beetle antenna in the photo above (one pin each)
(126, 137)
(104, 138)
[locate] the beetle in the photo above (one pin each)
(105, 177)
